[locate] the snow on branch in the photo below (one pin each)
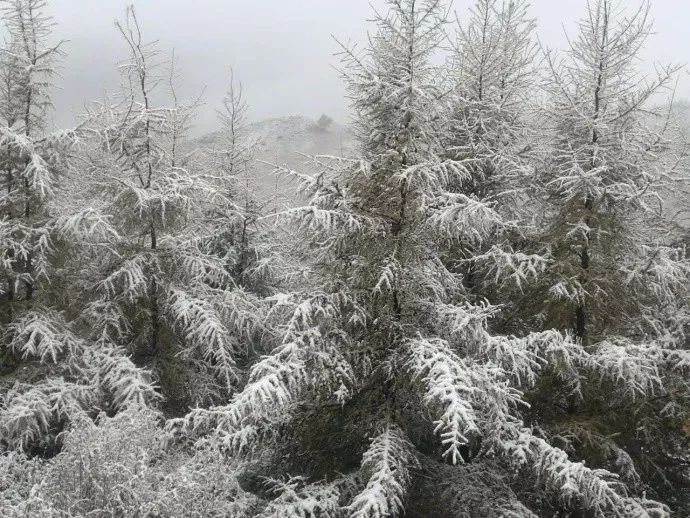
(316, 219)
(388, 462)
(307, 364)
(196, 266)
(41, 334)
(678, 359)
(274, 382)
(661, 270)
(107, 321)
(302, 500)
(130, 279)
(37, 171)
(390, 273)
(449, 385)
(465, 322)
(524, 358)
(434, 175)
(244, 314)
(305, 313)
(27, 414)
(202, 328)
(114, 373)
(597, 490)
(458, 216)
(86, 224)
(631, 366)
(507, 265)
(474, 399)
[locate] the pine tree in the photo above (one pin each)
(384, 343)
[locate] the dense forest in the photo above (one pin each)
(479, 310)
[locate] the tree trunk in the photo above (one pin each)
(153, 297)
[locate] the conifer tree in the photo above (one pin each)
(62, 373)
(615, 159)
(240, 238)
(481, 312)
(162, 285)
(384, 355)
(490, 130)
(493, 65)
(618, 276)
(32, 158)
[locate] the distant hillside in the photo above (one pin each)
(283, 140)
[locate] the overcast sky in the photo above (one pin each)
(280, 49)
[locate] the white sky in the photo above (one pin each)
(280, 49)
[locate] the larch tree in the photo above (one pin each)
(490, 130)
(161, 287)
(61, 373)
(385, 365)
(32, 158)
(240, 237)
(493, 71)
(618, 275)
(480, 312)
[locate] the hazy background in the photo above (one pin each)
(281, 50)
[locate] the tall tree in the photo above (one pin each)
(615, 158)
(383, 355)
(239, 236)
(490, 131)
(63, 374)
(31, 158)
(161, 287)
(618, 277)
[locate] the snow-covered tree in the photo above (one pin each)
(614, 161)
(480, 312)
(493, 74)
(489, 129)
(119, 465)
(31, 157)
(240, 238)
(61, 374)
(383, 354)
(617, 276)
(164, 285)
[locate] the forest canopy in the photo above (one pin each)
(478, 309)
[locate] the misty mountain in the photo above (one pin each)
(287, 141)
